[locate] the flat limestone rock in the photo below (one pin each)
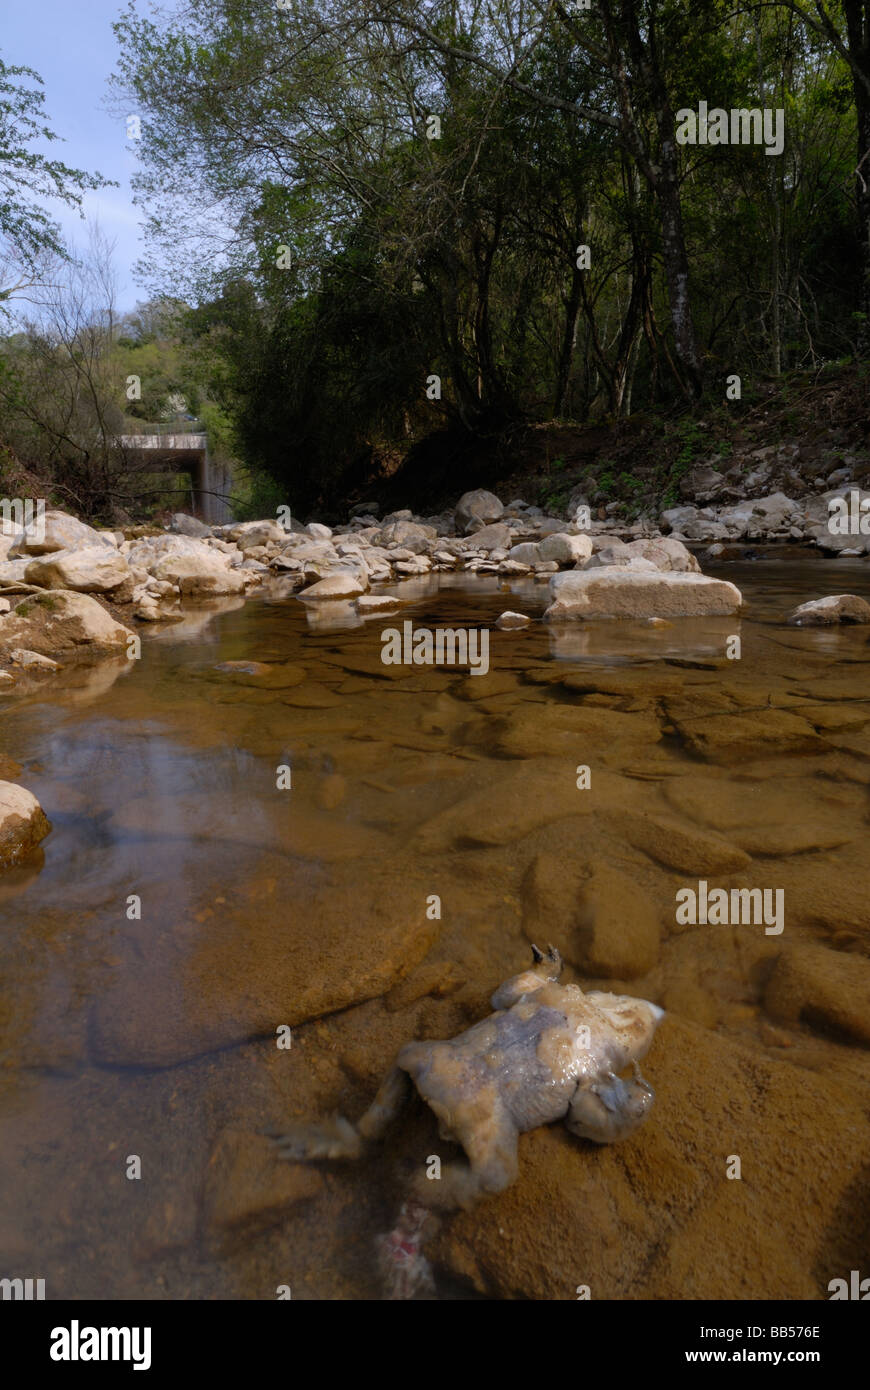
(737, 738)
(828, 990)
(767, 817)
(615, 592)
(677, 844)
(281, 952)
(513, 805)
(247, 1188)
(606, 926)
(536, 729)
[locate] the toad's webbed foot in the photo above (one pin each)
(611, 1109)
(337, 1137)
(548, 963)
(333, 1138)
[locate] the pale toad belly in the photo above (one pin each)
(508, 1057)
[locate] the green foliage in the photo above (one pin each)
(412, 258)
(555, 500)
(258, 496)
(28, 177)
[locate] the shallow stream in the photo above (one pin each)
(184, 909)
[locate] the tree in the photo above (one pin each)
(29, 238)
(846, 27)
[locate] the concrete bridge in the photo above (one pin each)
(210, 481)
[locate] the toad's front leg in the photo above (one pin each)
(546, 970)
(610, 1109)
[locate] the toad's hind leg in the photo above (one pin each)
(490, 1141)
(337, 1137)
(392, 1094)
(610, 1109)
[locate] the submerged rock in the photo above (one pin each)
(828, 990)
(768, 817)
(678, 844)
(734, 738)
(247, 1188)
(282, 952)
(607, 926)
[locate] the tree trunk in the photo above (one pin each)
(569, 342)
(676, 264)
(862, 199)
(662, 174)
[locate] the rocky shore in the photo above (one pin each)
(70, 591)
(51, 577)
(144, 573)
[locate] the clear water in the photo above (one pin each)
(155, 1036)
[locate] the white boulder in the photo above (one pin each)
(476, 509)
(22, 823)
(613, 592)
(94, 569)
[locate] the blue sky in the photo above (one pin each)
(72, 47)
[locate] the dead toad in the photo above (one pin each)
(548, 1052)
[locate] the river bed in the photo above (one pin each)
(186, 908)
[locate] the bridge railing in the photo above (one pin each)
(133, 426)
